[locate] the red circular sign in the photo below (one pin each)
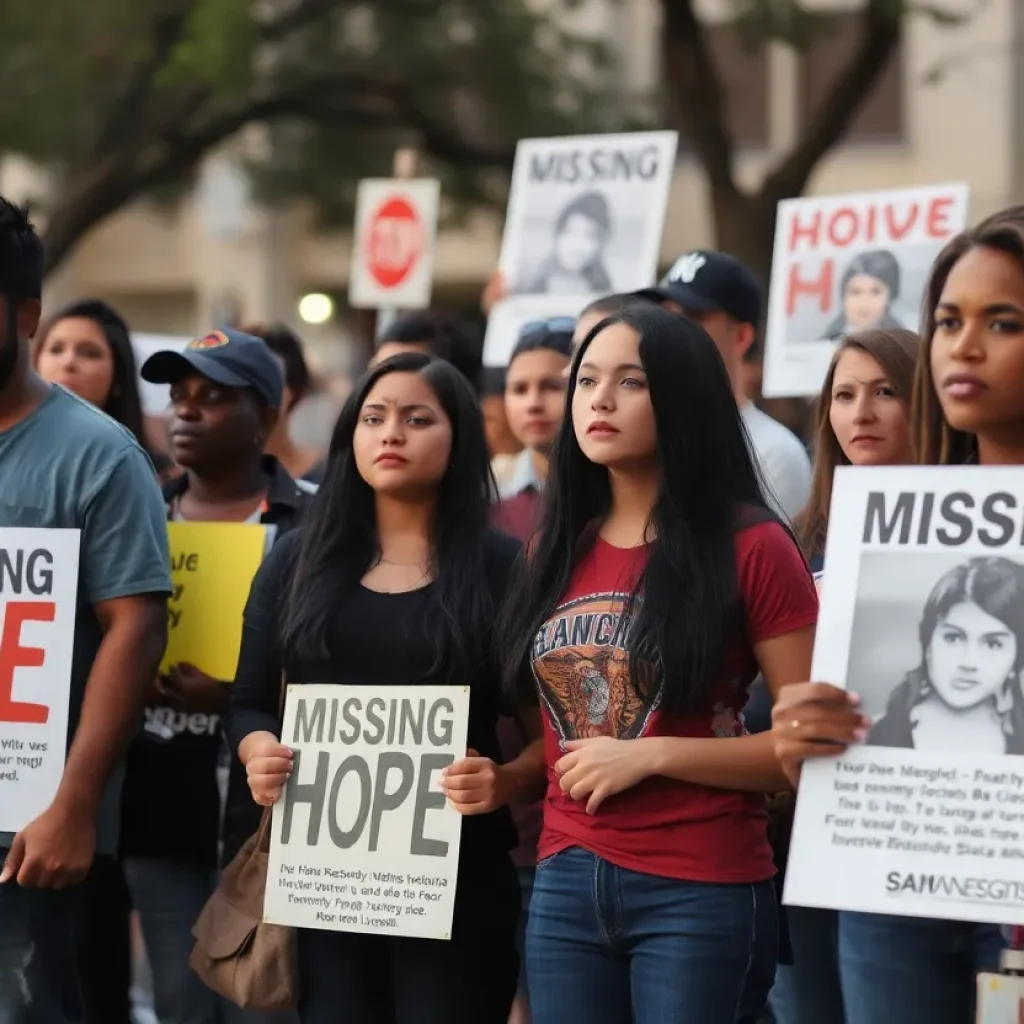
(394, 241)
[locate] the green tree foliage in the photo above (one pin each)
(124, 97)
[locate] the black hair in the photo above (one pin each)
(593, 206)
(543, 339)
(877, 263)
(287, 346)
(490, 381)
(608, 305)
(709, 485)
(21, 254)
(339, 541)
(445, 333)
(124, 403)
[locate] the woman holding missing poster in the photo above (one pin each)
(658, 585)
(968, 407)
(396, 579)
(863, 419)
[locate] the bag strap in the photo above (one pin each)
(263, 833)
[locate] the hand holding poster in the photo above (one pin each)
(922, 615)
(212, 567)
(849, 263)
(363, 839)
(38, 595)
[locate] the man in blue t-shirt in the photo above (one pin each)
(65, 465)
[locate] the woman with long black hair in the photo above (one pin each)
(396, 578)
(657, 587)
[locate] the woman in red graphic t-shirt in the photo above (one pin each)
(658, 586)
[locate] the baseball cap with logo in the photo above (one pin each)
(704, 281)
(229, 358)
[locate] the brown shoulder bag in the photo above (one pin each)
(237, 955)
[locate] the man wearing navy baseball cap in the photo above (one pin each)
(226, 390)
(722, 294)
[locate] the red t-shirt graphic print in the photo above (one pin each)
(661, 826)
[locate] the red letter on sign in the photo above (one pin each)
(13, 656)
(798, 286)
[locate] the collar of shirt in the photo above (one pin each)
(523, 477)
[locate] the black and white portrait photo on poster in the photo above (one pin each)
(954, 626)
(849, 263)
(585, 213)
(922, 617)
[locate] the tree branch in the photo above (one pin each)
(691, 72)
(880, 28)
(128, 113)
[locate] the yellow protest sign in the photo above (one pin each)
(212, 566)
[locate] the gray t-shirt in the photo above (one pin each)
(69, 466)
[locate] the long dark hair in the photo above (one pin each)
(708, 483)
(123, 403)
(895, 351)
(339, 540)
(936, 442)
(996, 586)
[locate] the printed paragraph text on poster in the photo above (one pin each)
(363, 839)
(849, 263)
(38, 595)
(585, 214)
(923, 617)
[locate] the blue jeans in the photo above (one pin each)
(911, 969)
(526, 876)
(808, 990)
(606, 945)
(39, 954)
(168, 896)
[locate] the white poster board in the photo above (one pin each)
(922, 615)
(394, 241)
(585, 219)
(38, 598)
(846, 263)
(363, 838)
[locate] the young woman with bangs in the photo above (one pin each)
(968, 408)
(657, 587)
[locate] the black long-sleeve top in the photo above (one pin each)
(374, 639)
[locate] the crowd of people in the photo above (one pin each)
(607, 539)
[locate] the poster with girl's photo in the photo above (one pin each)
(922, 616)
(849, 263)
(585, 218)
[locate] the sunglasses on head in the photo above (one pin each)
(554, 324)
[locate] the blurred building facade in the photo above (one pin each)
(949, 107)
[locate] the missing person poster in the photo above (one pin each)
(38, 598)
(363, 838)
(922, 615)
(585, 218)
(849, 263)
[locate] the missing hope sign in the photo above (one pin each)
(922, 615)
(363, 839)
(38, 594)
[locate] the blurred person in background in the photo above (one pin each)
(86, 347)
(501, 442)
(226, 392)
(301, 463)
(535, 386)
(444, 334)
(722, 295)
